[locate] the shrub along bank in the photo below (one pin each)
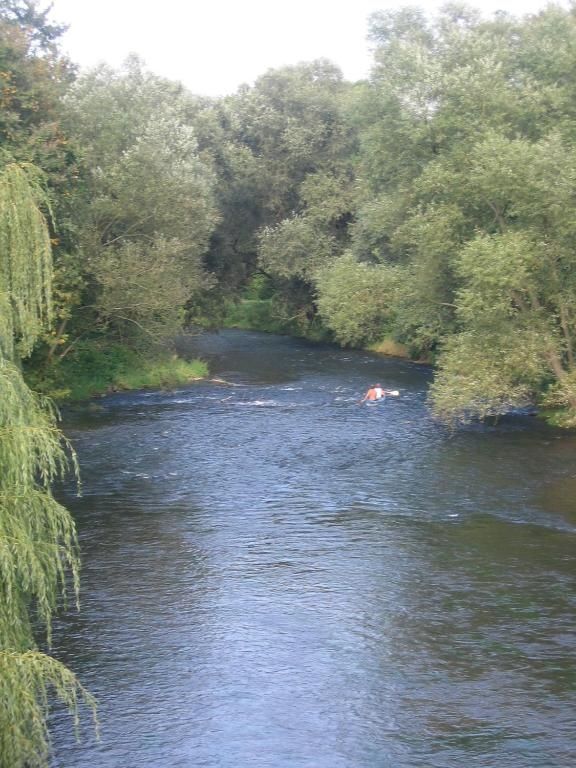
(96, 370)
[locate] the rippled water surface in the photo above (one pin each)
(275, 576)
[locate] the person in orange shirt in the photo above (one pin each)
(374, 393)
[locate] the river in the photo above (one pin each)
(274, 576)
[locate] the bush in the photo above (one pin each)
(94, 369)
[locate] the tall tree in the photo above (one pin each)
(294, 121)
(465, 175)
(148, 201)
(34, 77)
(516, 304)
(30, 16)
(38, 549)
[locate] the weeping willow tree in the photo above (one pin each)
(38, 548)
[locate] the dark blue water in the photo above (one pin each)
(275, 576)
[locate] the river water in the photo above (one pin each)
(275, 576)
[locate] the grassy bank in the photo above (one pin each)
(389, 347)
(258, 309)
(262, 315)
(97, 369)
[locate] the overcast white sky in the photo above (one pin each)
(213, 46)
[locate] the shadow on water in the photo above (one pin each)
(274, 576)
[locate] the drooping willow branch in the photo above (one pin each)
(39, 562)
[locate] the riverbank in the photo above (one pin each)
(258, 315)
(97, 370)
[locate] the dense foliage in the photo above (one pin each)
(430, 205)
(38, 550)
(470, 164)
